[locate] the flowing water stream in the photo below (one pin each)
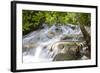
(36, 45)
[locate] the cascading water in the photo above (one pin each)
(37, 41)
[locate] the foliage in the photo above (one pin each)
(33, 20)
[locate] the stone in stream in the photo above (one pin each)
(63, 57)
(65, 51)
(70, 54)
(71, 37)
(66, 37)
(50, 34)
(27, 47)
(60, 46)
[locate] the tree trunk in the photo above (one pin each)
(87, 38)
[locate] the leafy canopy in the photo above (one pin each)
(33, 20)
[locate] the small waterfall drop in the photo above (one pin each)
(41, 39)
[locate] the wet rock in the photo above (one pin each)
(60, 46)
(64, 57)
(66, 37)
(66, 51)
(27, 47)
(72, 37)
(50, 34)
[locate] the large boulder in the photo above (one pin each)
(65, 50)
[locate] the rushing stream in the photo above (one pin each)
(42, 45)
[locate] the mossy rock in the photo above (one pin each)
(71, 51)
(66, 37)
(71, 36)
(71, 44)
(64, 57)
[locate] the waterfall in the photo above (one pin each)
(38, 51)
(41, 38)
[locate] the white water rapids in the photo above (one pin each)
(35, 43)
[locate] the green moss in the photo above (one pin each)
(70, 44)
